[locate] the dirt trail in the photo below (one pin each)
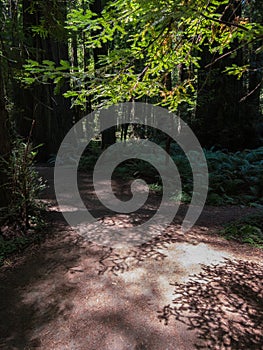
(73, 294)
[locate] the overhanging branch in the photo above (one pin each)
(221, 21)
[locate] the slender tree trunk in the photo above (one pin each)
(5, 146)
(108, 136)
(168, 85)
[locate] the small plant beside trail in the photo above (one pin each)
(21, 221)
(246, 230)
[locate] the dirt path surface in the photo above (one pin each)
(175, 292)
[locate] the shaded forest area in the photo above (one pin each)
(62, 60)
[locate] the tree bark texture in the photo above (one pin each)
(222, 117)
(5, 145)
(51, 111)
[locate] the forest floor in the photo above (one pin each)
(192, 291)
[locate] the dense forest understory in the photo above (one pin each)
(64, 67)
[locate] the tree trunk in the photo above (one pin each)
(256, 75)
(108, 136)
(221, 117)
(5, 146)
(51, 111)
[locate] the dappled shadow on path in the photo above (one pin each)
(210, 219)
(33, 291)
(73, 294)
(113, 261)
(224, 303)
(55, 299)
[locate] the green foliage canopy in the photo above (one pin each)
(147, 41)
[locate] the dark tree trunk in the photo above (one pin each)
(4, 143)
(23, 98)
(221, 117)
(256, 75)
(51, 111)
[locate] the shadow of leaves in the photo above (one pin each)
(224, 303)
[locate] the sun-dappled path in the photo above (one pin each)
(70, 293)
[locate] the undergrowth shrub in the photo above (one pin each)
(25, 185)
(246, 230)
(234, 178)
(15, 244)
(22, 218)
